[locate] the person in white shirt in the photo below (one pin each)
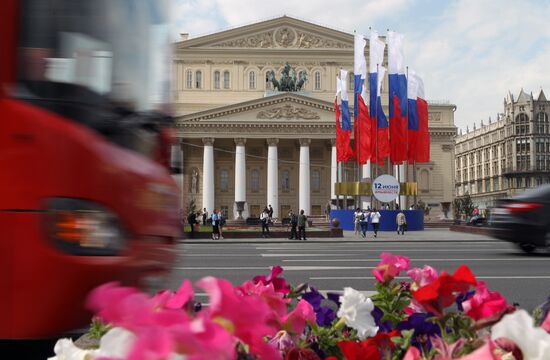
(357, 221)
(264, 219)
(375, 220)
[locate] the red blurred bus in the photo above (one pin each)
(86, 196)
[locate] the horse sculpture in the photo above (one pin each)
(288, 81)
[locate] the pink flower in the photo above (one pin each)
(296, 320)
(390, 266)
(413, 354)
(485, 352)
(546, 323)
(485, 303)
(424, 276)
(276, 300)
(248, 318)
(283, 341)
(278, 283)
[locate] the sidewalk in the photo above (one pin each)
(428, 235)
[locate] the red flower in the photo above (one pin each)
(279, 284)
(438, 295)
(301, 354)
(359, 351)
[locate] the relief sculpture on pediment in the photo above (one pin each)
(288, 112)
(263, 40)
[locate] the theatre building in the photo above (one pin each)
(244, 141)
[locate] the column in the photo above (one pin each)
(365, 174)
(208, 174)
(273, 176)
(304, 180)
(240, 178)
(403, 178)
(333, 169)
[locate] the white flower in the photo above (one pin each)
(65, 349)
(533, 342)
(356, 311)
(116, 343)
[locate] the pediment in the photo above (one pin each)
(280, 33)
(281, 108)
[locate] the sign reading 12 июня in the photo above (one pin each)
(385, 188)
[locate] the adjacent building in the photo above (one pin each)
(505, 157)
(243, 142)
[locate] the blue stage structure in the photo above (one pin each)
(415, 219)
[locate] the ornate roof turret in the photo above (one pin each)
(541, 96)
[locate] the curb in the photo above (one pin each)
(313, 241)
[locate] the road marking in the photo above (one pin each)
(359, 251)
(407, 278)
(287, 268)
(448, 259)
(373, 245)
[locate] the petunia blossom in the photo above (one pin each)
(324, 313)
(518, 327)
(390, 266)
(279, 283)
(358, 351)
(485, 303)
(356, 311)
(424, 329)
(422, 276)
(441, 293)
(296, 320)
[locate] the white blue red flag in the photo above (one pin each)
(412, 118)
(397, 101)
(380, 146)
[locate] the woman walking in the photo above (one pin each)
(264, 219)
(375, 220)
(215, 225)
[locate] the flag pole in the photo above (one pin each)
(376, 123)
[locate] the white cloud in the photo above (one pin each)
(470, 52)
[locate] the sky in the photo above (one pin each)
(470, 52)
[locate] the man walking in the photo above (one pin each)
(215, 226)
(401, 220)
(293, 224)
(192, 220)
(302, 225)
(375, 220)
(264, 219)
(270, 213)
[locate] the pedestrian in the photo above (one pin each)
(204, 216)
(364, 222)
(221, 224)
(192, 220)
(270, 213)
(327, 211)
(293, 224)
(264, 220)
(375, 220)
(302, 219)
(397, 206)
(357, 221)
(401, 220)
(215, 225)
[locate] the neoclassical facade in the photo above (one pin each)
(505, 157)
(241, 141)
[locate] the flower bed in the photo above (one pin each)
(437, 316)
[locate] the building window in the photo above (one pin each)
(316, 180)
(285, 180)
(226, 79)
(351, 81)
(198, 79)
(541, 123)
(216, 79)
(189, 79)
(317, 76)
(487, 185)
(225, 211)
(224, 181)
(252, 80)
(424, 181)
(255, 181)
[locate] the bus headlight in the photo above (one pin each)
(81, 227)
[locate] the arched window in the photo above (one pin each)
(268, 84)
(255, 180)
(252, 80)
(285, 180)
(317, 77)
(226, 79)
(224, 180)
(216, 79)
(198, 79)
(351, 81)
(316, 180)
(522, 124)
(189, 79)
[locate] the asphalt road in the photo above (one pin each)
(331, 265)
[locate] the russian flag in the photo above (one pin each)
(346, 120)
(412, 123)
(344, 152)
(359, 68)
(397, 100)
(423, 143)
(379, 123)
